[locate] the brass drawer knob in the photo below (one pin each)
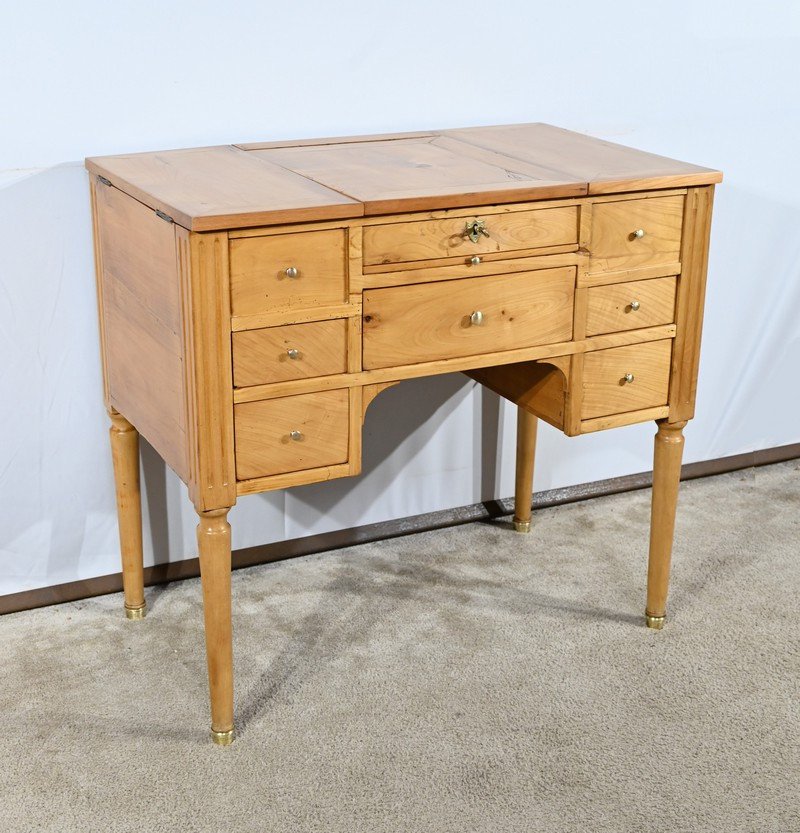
(637, 234)
(296, 435)
(628, 378)
(475, 260)
(476, 319)
(293, 353)
(291, 272)
(475, 229)
(635, 306)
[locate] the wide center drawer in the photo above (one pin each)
(465, 317)
(450, 236)
(291, 433)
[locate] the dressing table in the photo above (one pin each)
(254, 299)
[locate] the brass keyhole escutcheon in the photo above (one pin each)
(475, 229)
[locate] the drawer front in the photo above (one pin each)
(296, 351)
(636, 233)
(432, 239)
(466, 317)
(605, 389)
(287, 271)
(629, 306)
(291, 433)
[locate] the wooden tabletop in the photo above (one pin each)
(239, 186)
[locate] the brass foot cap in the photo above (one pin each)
(136, 612)
(655, 622)
(222, 738)
(522, 526)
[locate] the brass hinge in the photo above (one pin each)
(163, 216)
(104, 180)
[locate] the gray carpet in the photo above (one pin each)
(468, 679)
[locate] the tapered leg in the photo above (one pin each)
(526, 451)
(214, 545)
(125, 455)
(666, 479)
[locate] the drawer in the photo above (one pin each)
(447, 237)
(628, 306)
(295, 351)
(605, 388)
(292, 433)
(636, 233)
(465, 317)
(287, 271)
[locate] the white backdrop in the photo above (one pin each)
(713, 83)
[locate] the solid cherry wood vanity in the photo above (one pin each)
(254, 299)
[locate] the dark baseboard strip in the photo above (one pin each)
(266, 553)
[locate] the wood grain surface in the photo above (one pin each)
(432, 321)
(226, 187)
(294, 351)
(627, 306)
(606, 392)
(264, 443)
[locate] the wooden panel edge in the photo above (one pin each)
(208, 368)
(642, 273)
(98, 277)
(613, 186)
(279, 317)
(689, 304)
(588, 426)
(292, 478)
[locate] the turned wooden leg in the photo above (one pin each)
(666, 479)
(125, 455)
(214, 545)
(526, 451)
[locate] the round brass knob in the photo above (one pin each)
(291, 272)
(293, 353)
(638, 234)
(296, 435)
(635, 305)
(476, 318)
(475, 260)
(628, 377)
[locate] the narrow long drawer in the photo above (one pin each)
(465, 317)
(292, 433)
(294, 351)
(626, 379)
(287, 271)
(628, 306)
(631, 234)
(449, 236)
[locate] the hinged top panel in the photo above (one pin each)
(211, 189)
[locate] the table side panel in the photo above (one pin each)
(139, 295)
(690, 302)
